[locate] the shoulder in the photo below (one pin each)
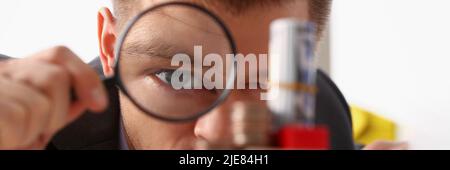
(333, 111)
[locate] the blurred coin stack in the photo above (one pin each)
(251, 125)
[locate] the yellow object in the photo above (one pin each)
(369, 127)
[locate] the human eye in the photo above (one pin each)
(165, 76)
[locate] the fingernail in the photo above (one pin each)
(100, 98)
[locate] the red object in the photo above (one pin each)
(301, 137)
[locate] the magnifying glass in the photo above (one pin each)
(170, 61)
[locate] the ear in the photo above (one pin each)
(107, 38)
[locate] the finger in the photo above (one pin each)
(2, 64)
(59, 93)
(74, 111)
(38, 144)
(54, 82)
(35, 105)
(86, 82)
(11, 125)
(12, 121)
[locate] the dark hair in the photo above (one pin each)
(318, 9)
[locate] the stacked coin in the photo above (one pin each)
(251, 124)
(250, 127)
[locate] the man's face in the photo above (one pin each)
(250, 29)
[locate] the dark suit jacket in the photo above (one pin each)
(101, 131)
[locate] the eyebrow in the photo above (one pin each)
(152, 48)
(156, 46)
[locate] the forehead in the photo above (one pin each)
(125, 10)
(250, 29)
(176, 17)
(175, 27)
(233, 8)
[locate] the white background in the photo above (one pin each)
(389, 56)
(393, 57)
(27, 26)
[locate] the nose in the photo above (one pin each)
(216, 127)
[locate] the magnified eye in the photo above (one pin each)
(165, 76)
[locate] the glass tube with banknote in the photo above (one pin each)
(293, 88)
